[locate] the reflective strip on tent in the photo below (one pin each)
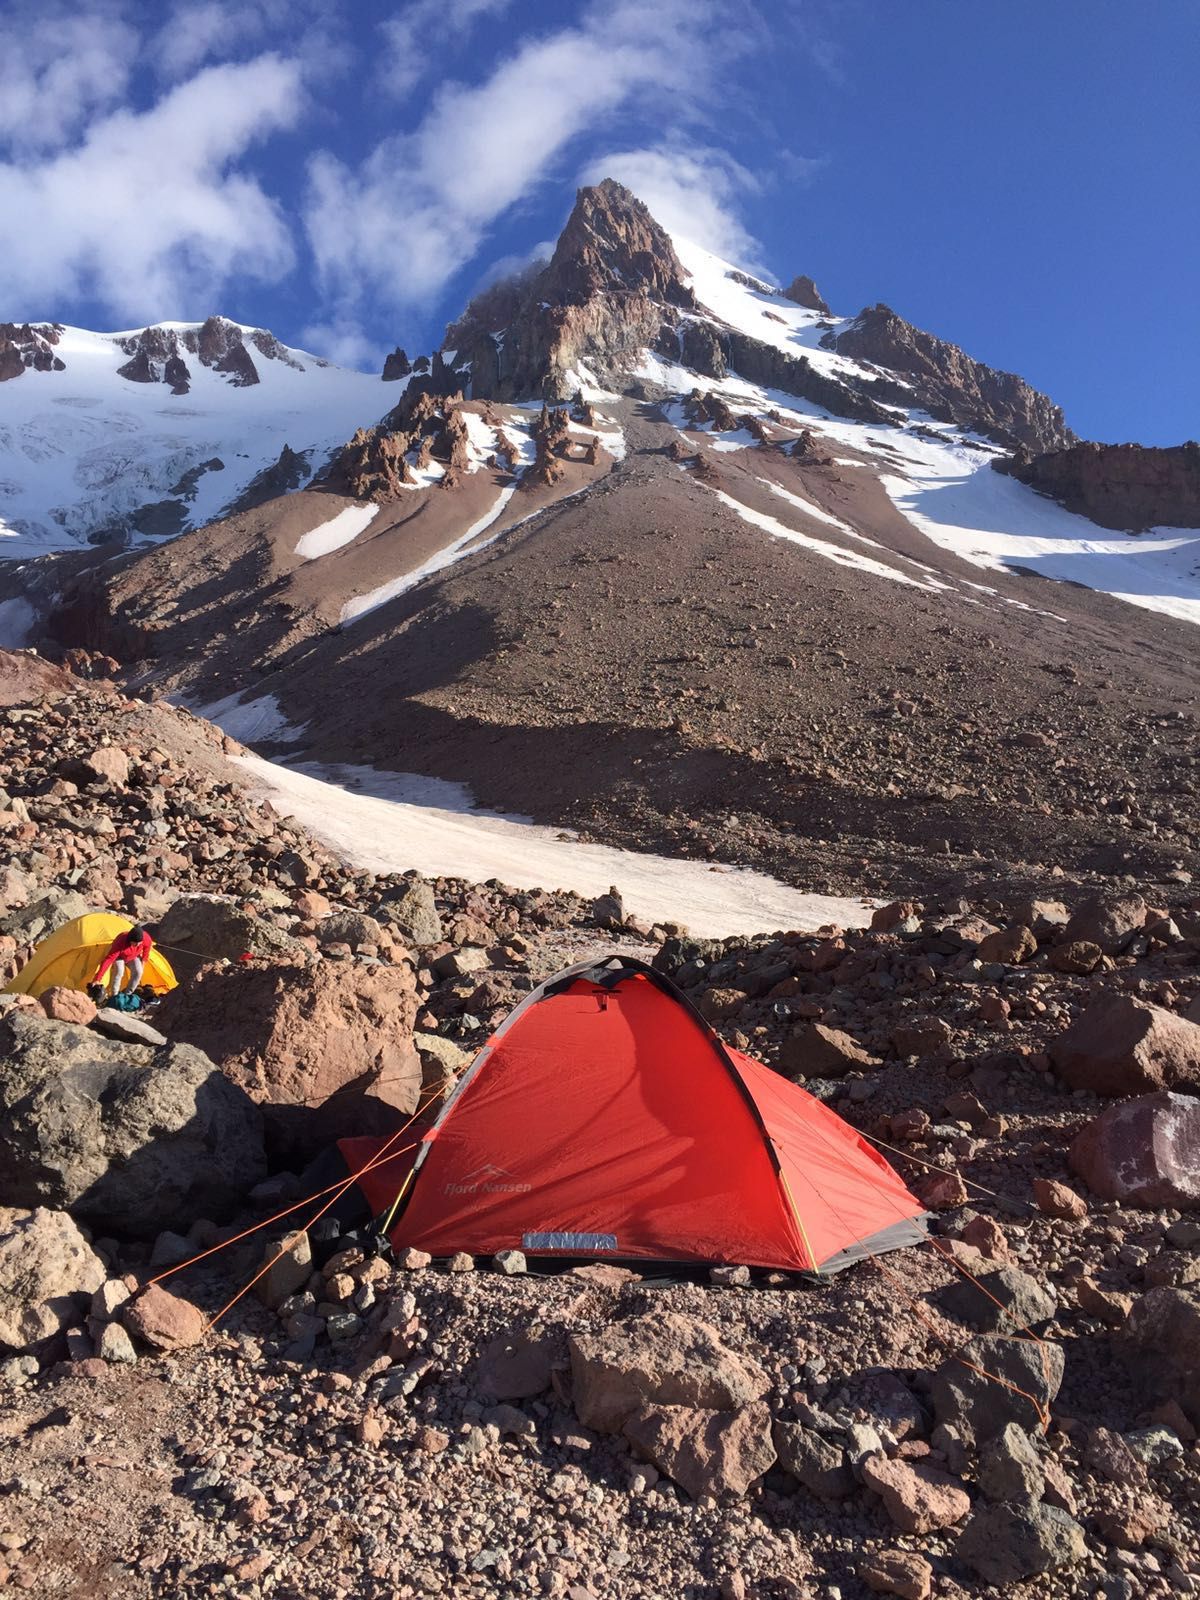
(68, 958)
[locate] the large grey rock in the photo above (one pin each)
(1122, 1045)
(1004, 1544)
(1144, 1151)
(44, 916)
(129, 1138)
(48, 1272)
(670, 1359)
(995, 1381)
(1009, 1469)
(411, 911)
(816, 1462)
(206, 927)
(1161, 1339)
(1006, 1301)
(124, 1025)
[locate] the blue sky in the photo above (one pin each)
(1018, 177)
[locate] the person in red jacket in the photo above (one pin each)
(127, 954)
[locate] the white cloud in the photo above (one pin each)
(58, 67)
(343, 342)
(693, 190)
(414, 35)
(419, 206)
(148, 211)
(199, 31)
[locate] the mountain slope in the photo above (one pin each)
(746, 595)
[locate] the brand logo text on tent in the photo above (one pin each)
(488, 1179)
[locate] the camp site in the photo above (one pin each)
(854, 1229)
(599, 800)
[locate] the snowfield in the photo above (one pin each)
(392, 823)
(83, 448)
(338, 532)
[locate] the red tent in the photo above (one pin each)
(606, 1118)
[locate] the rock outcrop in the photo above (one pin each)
(949, 384)
(25, 345)
(1127, 486)
(128, 1138)
(325, 1050)
(804, 292)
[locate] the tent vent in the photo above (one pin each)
(569, 1241)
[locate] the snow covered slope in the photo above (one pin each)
(86, 453)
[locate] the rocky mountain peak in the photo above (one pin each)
(802, 291)
(950, 384)
(611, 244)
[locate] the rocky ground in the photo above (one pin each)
(356, 1426)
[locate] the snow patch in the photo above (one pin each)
(338, 531)
(362, 604)
(257, 721)
(394, 822)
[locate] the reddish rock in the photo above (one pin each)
(922, 1037)
(1008, 945)
(1106, 1307)
(67, 1005)
(705, 1452)
(1109, 920)
(326, 1050)
(665, 1360)
(1056, 1199)
(898, 1572)
(941, 1191)
(885, 918)
(1079, 957)
(1128, 1527)
(1143, 1152)
(162, 1320)
(917, 1498)
(311, 906)
(1122, 1045)
(815, 1051)
(108, 764)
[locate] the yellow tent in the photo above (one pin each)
(69, 957)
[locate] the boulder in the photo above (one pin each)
(326, 1050)
(107, 763)
(967, 1395)
(898, 1572)
(1054, 1199)
(1162, 1341)
(1078, 957)
(608, 910)
(1006, 1301)
(129, 1138)
(917, 1498)
(289, 1265)
(515, 1366)
(922, 1036)
(412, 913)
(1008, 945)
(1144, 1151)
(48, 1272)
(666, 1360)
(442, 1064)
(705, 1452)
(1122, 1045)
(1108, 920)
(162, 1320)
(1004, 1544)
(44, 915)
(818, 1463)
(67, 1005)
(815, 1051)
(125, 1026)
(1009, 1469)
(208, 927)
(350, 927)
